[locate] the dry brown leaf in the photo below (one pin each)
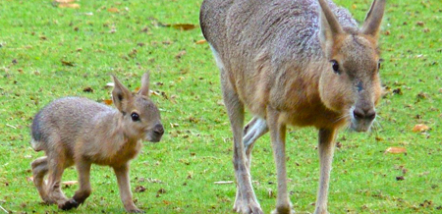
(88, 89)
(69, 5)
(64, 1)
(182, 26)
(420, 128)
(67, 63)
(140, 189)
(108, 102)
(396, 150)
(113, 10)
(199, 42)
(180, 54)
(270, 193)
(161, 191)
(155, 93)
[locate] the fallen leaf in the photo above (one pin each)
(155, 93)
(397, 91)
(161, 191)
(199, 42)
(88, 89)
(184, 27)
(140, 189)
(113, 10)
(420, 128)
(164, 95)
(69, 5)
(338, 145)
(224, 182)
(180, 54)
(67, 63)
(108, 102)
(396, 150)
(400, 178)
(270, 193)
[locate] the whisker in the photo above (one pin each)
(345, 116)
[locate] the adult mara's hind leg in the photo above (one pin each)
(252, 131)
(256, 128)
(246, 200)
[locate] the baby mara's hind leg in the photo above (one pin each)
(57, 162)
(39, 170)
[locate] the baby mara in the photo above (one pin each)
(78, 131)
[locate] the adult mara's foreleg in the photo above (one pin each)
(326, 150)
(277, 134)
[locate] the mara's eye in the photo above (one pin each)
(135, 117)
(335, 66)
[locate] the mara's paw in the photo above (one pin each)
(250, 207)
(48, 201)
(321, 211)
(71, 203)
(134, 210)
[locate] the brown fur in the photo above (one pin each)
(80, 131)
(275, 59)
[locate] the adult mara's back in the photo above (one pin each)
(292, 62)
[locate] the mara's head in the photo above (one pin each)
(350, 82)
(141, 118)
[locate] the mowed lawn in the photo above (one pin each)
(48, 52)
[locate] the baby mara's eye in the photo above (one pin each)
(135, 117)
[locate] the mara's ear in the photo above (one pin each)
(120, 94)
(329, 25)
(372, 22)
(144, 90)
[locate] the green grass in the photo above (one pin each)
(196, 151)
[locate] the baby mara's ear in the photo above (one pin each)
(120, 95)
(144, 90)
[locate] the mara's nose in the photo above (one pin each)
(158, 129)
(364, 113)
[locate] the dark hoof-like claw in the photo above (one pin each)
(69, 204)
